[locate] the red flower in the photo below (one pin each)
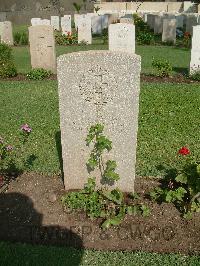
(184, 151)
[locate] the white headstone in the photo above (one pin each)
(55, 22)
(169, 30)
(84, 29)
(195, 52)
(45, 22)
(66, 24)
(6, 33)
(36, 21)
(121, 37)
(106, 91)
(42, 47)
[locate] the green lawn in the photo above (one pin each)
(169, 119)
(19, 254)
(179, 58)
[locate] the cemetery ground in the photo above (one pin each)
(168, 120)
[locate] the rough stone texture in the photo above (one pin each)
(6, 33)
(36, 21)
(195, 52)
(42, 47)
(66, 23)
(169, 30)
(84, 29)
(55, 22)
(105, 90)
(122, 37)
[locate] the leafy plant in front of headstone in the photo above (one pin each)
(7, 66)
(187, 40)
(96, 8)
(183, 188)
(162, 67)
(11, 155)
(70, 38)
(195, 75)
(102, 203)
(38, 74)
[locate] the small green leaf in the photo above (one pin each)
(106, 224)
(181, 178)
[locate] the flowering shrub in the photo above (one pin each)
(10, 154)
(187, 40)
(66, 39)
(182, 189)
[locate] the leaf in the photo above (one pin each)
(116, 220)
(182, 179)
(198, 169)
(106, 224)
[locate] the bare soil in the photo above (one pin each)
(179, 78)
(31, 212)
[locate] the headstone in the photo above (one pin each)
(55, 22)
(42, 47)
(45, 22)
(169, 30)
(191, 21)
(105, 90)
(158, 25)
(96, 24)
(66, 24)
(121, 37)
(84, 29)
(36, 21)
(126, 20)
(179, 21)
(6, 33)
(195, 52)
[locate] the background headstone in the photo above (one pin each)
(96, 24)
(84, 29)
(169, 30)
(105, 90)
(55, 22)
(195, 52)
(6, 33)
(66, 24)
(158, 24)
(121, 37)
(42, 47)
(36, 21)
(45, 22)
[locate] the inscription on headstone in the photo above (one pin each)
(122, 37)
(42, 47)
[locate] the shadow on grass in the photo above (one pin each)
(59, 151)
(21, 222)
(181, 70)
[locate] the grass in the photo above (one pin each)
(179, 58)
(21, 254)
(169, 119)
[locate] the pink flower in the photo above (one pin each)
(26, 128)
(9, 148)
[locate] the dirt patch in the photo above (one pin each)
(22, 77)
(31, 212)
(173, 79)
(144, 78)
